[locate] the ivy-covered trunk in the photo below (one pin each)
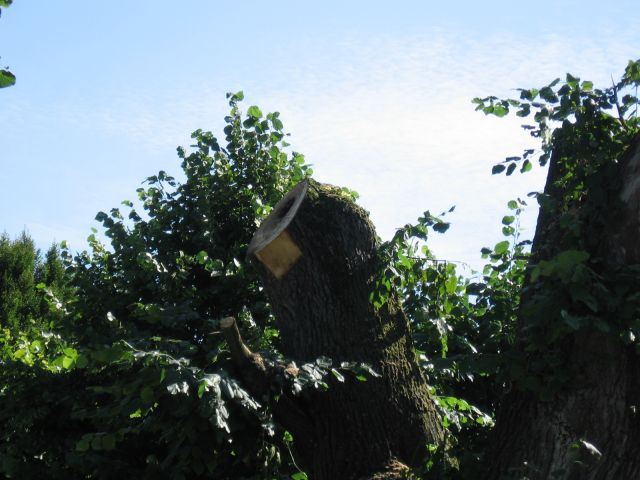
(574, 412)
(317, 254)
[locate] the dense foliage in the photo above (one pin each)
(465, 328)
(141, 383)
(575, 285)
(112, 361)
(29, 287)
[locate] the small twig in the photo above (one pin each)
(439, 260)
(293, 460)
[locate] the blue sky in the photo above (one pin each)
(376, 95)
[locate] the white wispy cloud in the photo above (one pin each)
(389, 117)
(397, 125)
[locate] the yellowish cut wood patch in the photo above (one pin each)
(280, 255)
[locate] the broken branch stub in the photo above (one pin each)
(239, 351)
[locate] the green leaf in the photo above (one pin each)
(497, 169)
(337, 374)
(526, 166)
(451, 284)
(525, 110)
(528, 94)
(7, 78)
(83, 445)
(554, 83)
(501, 247)
(82, 361)
(441, 227)
(500, 110)
(18, 354)
(254, 112)
(475, 288)
(512, 205)
(508, 219)
(572, 81)
(67, 362)
(70, 352)
(632, 72)
(299, 476)
(202, 387)
(235, 97)
(548, 94)
(277, 123)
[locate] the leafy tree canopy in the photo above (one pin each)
(112, 358)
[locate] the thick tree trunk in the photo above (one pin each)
(316, 253)
(555, 438)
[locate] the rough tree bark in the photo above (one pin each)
(538, 439)
(316, 253)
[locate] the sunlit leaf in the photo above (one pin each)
(7, 78)
(501, 247)
(254, 112)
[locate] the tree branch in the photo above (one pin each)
(258, 376)
(239, 351)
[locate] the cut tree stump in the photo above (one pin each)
(317, 256)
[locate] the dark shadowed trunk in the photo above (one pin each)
(589, 428)
(316, 253)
